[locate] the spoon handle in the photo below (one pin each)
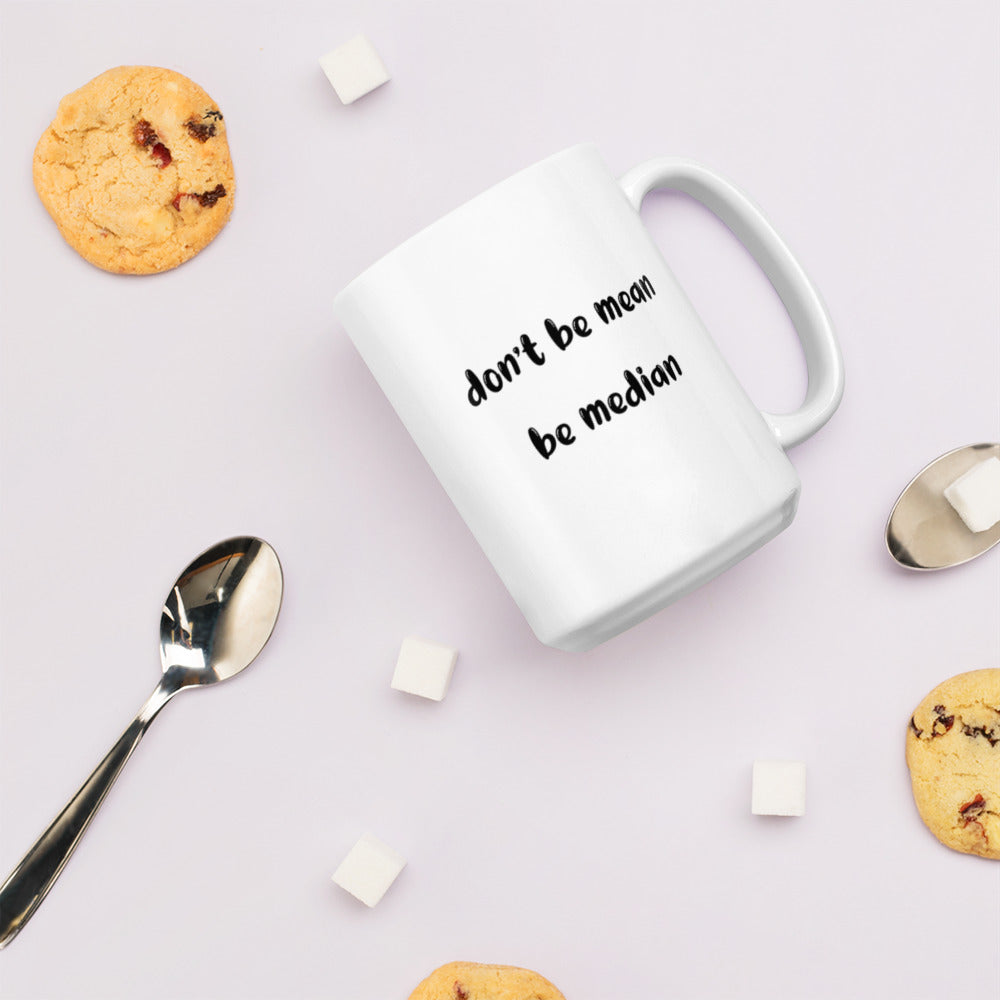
(31, 880)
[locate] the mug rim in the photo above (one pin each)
(485, 193)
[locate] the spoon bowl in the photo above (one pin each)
(924, 531)
(216, 619)
(221, 611)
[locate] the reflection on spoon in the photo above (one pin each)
(924, 530)
(215, 621)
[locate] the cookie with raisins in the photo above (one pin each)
(473, 981)
(135, 170)
(953, 752)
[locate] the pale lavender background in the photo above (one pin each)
(584, 815)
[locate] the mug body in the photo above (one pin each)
(570, 401)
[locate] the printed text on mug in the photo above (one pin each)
(525, 354)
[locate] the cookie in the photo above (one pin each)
(135, 170)
(953, 752)
(472, 981)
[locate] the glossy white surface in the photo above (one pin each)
(569, 399)
(144, 419)
(803, 302)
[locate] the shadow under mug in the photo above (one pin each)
(572, 404)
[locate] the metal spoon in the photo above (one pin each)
(215, 621)
(924, 530)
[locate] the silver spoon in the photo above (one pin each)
(924, 530)
(215, 621)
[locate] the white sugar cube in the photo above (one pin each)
(779, 788)
(369, 869)
(424, 668)
(976, 495)
(354, 69)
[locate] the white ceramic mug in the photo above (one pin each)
(572, 404)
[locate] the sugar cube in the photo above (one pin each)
(354, 69)
(424, 668)
(976, 495)
(369, 869)
(779, 788)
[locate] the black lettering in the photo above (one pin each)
(477, 394)
(635, 393)
(608, 309)
(595, 414)
(565, 434)
(663, 374)
(544, 443)
(561, 336)
(504, 367)
(616, 403)
(492, 380)
(531, 349)
(613, 306)
(581, 327)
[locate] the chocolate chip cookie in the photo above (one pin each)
(473, 981)
(953, 752)
(135, 170)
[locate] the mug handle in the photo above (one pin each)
(824, 365)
